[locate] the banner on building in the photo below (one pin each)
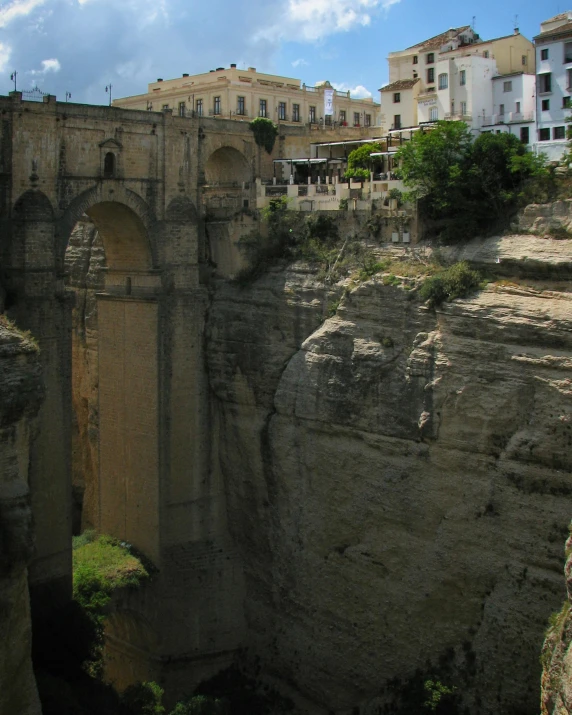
(328, 102)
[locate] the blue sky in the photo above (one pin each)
(80, 46)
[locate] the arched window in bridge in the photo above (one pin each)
(109, 165)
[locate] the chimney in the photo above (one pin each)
(220, 69)
(233, 66)
(516, 31)
(252, 69)
(185, 74)
(159, 79)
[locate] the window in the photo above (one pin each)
(109, 165)
(240, 106)
(566, 103)
(181, 109)
(343, 116)
(430, 58)
(430, 75)
(433, 114)
(501, 109)
(544, 54)
(216, 105)
(486, 54)
(463, 77)
(281, 110)
(463, 109)
(165, 106)
(262, 108)
(544, 134)
(312, 115)
(415, 59)
(397, 121)
(567, 52)
(295, 112)
(328, 120)
(356, 119)
(568, 79)
(507, 86)
(367, 120)
(545, 82)
(545, 105)
(559, 133)
(524, 135)
(396, 97)
(443, 81)
(524, 61)
(518, 107)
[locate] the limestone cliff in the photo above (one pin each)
(21, 392)
(397, 482)
(85, 263)
(556, 695)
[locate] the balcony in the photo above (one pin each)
(506, 118)
(458, 117)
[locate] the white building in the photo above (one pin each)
(449, 76)
(553, 84)
(514, 100)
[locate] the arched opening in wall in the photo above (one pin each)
(108, 264)
(227, 166)
(109, 165)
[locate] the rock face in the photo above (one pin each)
(556, 695)
(545, 218)
(85, 264)
(397, 483)
(21, 392)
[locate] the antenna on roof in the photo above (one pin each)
(516, 22)
(474, 22)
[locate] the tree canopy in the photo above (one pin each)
(474, 183)
(359, 161)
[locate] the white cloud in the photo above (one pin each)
(18, 8)
(311, 20)
(299, 63)
(52, 65)
(357, 92)
(5, 52)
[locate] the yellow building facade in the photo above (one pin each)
(244, 94)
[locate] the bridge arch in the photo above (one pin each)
(227, 164)
(124, 221)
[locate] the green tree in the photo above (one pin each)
(432, 165)
(360, 161)
(475, 185)
(265, 132)
(143, 699)
(201, 705)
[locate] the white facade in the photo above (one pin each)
(513, 107)
(554, 84)
(463, 90)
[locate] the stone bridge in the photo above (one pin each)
(146, 180)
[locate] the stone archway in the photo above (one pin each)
(227, 165)
(123, 498)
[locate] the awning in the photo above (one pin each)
(301, 161)
(384, 153)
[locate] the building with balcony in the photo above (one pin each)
(243, 94)
(553, 84)
(449, 76)
(514, 100)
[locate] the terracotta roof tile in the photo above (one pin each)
(562, 30)
(399, 84)
(434, 43)
(561, 16)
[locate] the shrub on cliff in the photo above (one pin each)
(456, 281)
(201, 705)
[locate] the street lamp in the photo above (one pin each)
(108, 89)
(68, 96)
(13, 77)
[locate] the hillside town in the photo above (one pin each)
(505, 84)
